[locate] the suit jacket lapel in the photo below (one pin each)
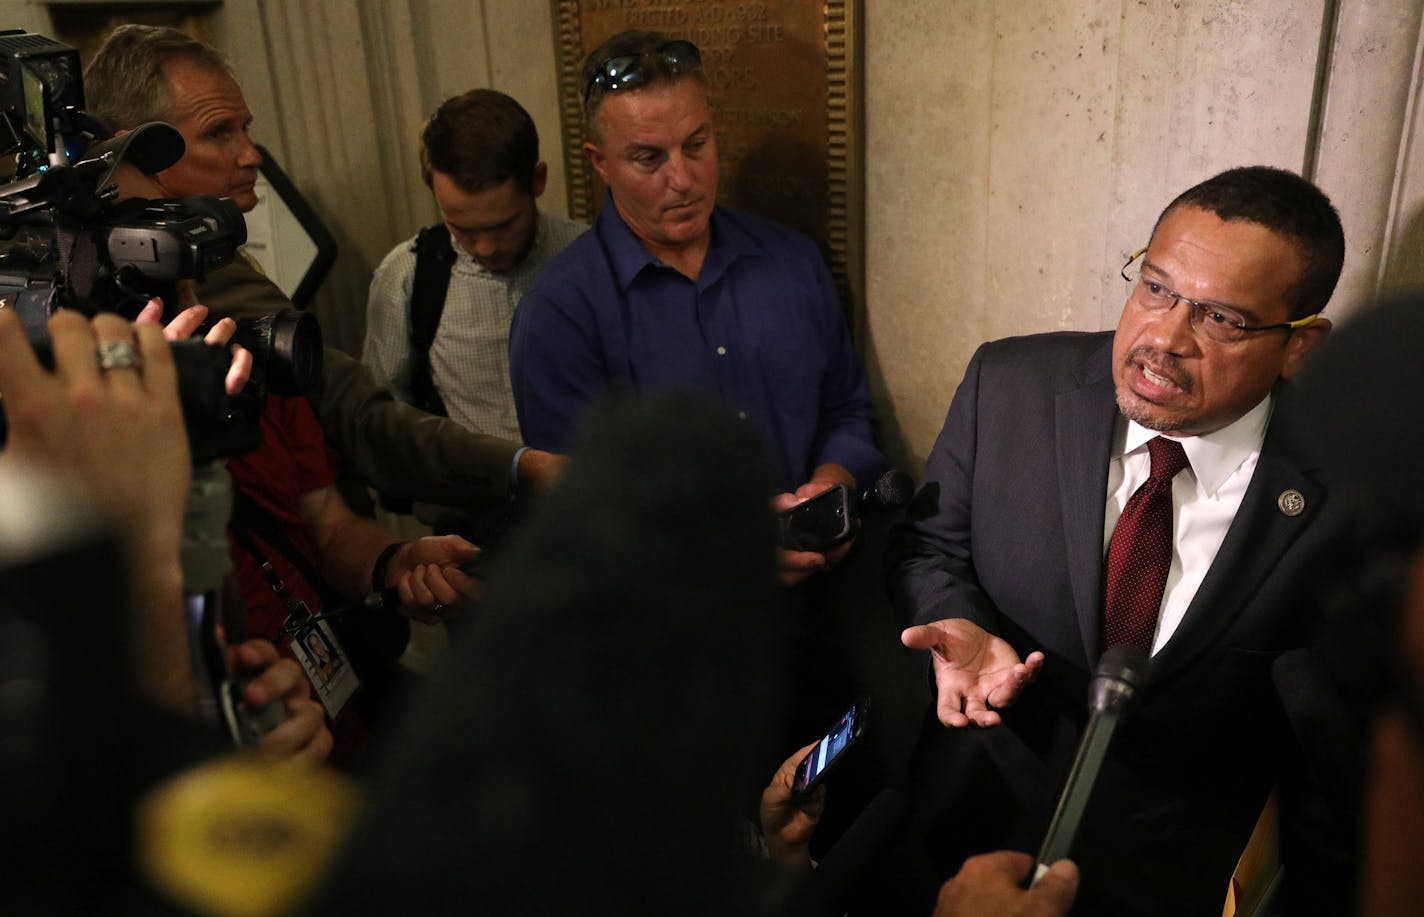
(1084, 419)
(1258, 536)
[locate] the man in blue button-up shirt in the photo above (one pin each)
(671, 291)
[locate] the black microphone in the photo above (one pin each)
(1120, 673)
(891, 490)
(389, 597)
(833, 515)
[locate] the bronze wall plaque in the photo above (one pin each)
(781, 76)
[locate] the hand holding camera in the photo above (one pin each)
(186, 323)
(108, 416)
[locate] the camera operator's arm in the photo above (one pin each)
(540, 470)
(120, 432)
(397, 448)
(424, 571)
(280, 679)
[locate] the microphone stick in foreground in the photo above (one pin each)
(1116, 680)
(389, 597)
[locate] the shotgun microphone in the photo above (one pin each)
(1119, 675)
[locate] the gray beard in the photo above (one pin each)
(1130, 406)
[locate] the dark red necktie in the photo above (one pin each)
(1140, 552)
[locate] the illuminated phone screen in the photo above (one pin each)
(826, 751)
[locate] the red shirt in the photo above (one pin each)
(292, 460)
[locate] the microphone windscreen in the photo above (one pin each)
(891, 490)
(588, 744)
(1120, 673)
(1125, 662)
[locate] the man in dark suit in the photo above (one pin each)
(1001, 560)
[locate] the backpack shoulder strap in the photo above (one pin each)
(434, 259)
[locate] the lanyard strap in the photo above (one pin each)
(249, 518)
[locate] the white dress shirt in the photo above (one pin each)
(1205, 498)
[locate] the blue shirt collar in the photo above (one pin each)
(629, 258)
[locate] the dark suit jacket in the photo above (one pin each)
(1008, 532)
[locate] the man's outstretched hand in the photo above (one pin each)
(974, 670)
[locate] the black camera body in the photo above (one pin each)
(171, 239)
(113, 257)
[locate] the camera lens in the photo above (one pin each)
(286, 346)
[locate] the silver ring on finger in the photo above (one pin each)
(119, 355)
(438, 608)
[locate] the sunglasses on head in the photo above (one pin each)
(628, 70)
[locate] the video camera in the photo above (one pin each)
(67, 242)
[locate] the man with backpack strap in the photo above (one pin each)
(437, 319)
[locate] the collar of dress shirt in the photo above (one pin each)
(629, 258)
(1216, 455)
(466, 263)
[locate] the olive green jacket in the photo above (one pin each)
(398, 449)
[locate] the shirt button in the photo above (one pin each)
(741, 415)
(721, 351)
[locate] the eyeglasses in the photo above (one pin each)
(1222, 324)
(628, 70)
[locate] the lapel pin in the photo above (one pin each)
(1291, 502)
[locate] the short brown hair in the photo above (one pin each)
(480, 139)
(1287, 205)
(125, 85)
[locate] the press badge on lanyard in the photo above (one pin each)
(324, 660)
(315, 646)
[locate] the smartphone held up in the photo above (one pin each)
(831, 749)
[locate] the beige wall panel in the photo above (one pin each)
(1370, 111)
(325, 101)
(240, 33)
(1404, 251)
(927, 78)
(1051, 133)
(30, 15)
(522, 64)
(455, 45)
(1371, 161)
(402, 96)
(1205, 86)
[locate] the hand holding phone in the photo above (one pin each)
(818, 523)
(832, 748)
